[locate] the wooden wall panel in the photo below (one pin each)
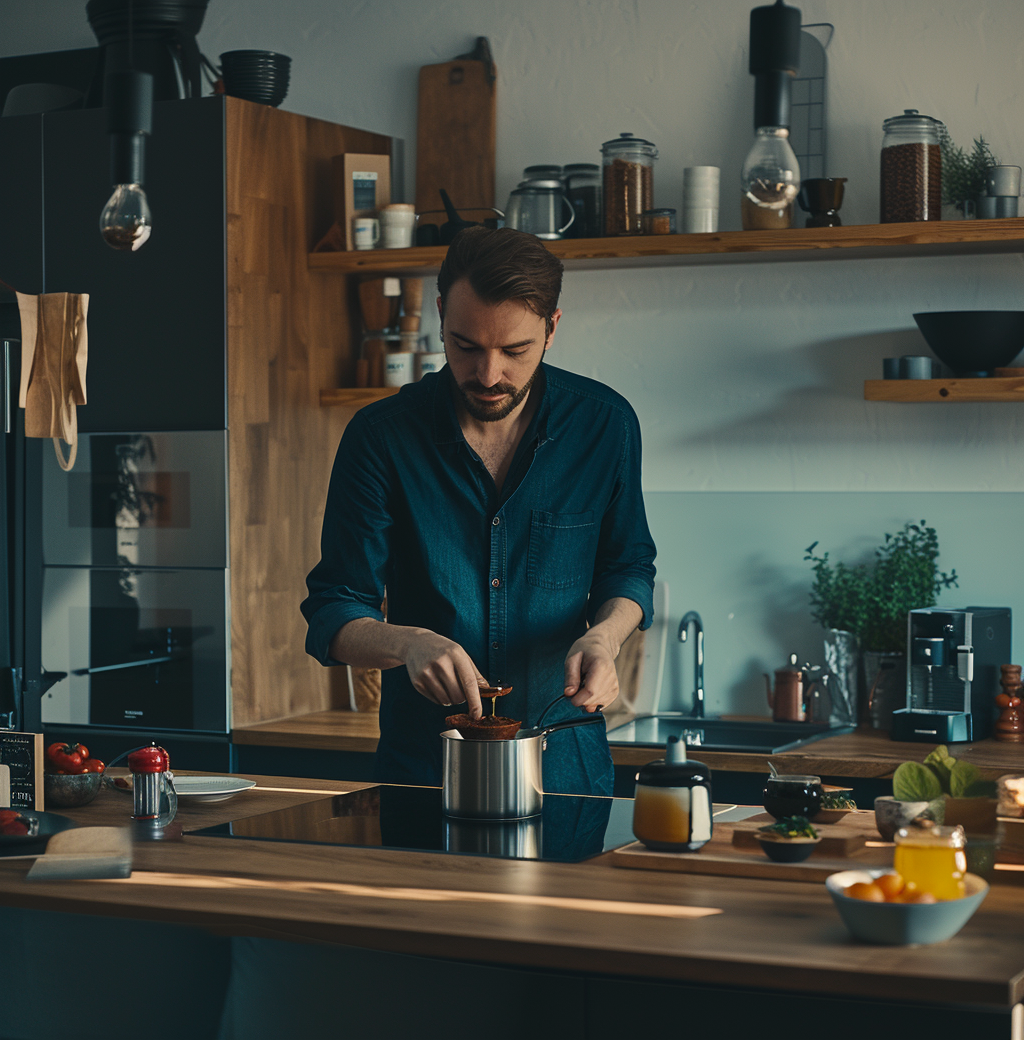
(289, 336)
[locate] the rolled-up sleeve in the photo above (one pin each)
(625, 557)
(349, 581)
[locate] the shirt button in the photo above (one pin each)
(496, 521)
(495, 582)
(495, 646)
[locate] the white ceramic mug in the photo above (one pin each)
(397, 225)
(398, 368)
(365, 232)
(426, 363)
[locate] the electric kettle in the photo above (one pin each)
(538, 207)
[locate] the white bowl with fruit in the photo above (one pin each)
(877, 906)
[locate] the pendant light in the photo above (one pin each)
(126, 222)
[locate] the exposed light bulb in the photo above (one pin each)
(126, 222)
(771, 174)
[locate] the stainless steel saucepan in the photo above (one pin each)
(498, 779)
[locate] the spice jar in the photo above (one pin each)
(658, 221)
(628, 183)
(911, 186)
(672, 802)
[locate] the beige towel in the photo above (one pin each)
(54, 352)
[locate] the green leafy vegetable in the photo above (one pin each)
(838, 800)
(941, 763)
(791, 827)
(915, 782)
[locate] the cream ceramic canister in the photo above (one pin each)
(672, 803)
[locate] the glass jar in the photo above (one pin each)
(583, 190)
(932, 860)
(911, 185)
(628, 181)
(658, 221)
(672, 802)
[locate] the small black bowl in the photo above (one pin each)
(973, 343)
(788, 850)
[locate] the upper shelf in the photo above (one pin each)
(860, 241)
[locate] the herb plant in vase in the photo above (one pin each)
(963, 173)
(871, 603)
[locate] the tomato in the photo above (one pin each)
(6, 815)
(67, 757)
(15, 827)
(93, 765)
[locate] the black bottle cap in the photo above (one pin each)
(674, 770)
(774, 39)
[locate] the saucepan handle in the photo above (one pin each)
(584, 720)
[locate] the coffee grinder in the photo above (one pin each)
(953, 661)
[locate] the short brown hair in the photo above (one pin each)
(503, 265)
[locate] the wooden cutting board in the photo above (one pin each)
(845, 838)
(724, 858)
(456, 132)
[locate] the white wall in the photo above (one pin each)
(745, 378)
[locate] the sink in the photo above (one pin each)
(758, 737)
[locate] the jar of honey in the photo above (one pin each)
(672, 803)
(932, 859)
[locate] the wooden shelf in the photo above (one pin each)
(920, 391)
(356, 397)
(862, 241)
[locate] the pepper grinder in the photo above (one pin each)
(672, 804)
(1009, 727)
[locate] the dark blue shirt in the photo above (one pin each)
(513, 576)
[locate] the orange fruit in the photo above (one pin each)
(915, 896)
(866, 890)
(891, 885)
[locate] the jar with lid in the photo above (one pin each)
(583, 190)
(628, 179)
(672, 802)
(911, 183)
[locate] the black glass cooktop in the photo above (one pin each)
(570, 828)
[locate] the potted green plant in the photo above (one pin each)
(870, 602)
(964, 173)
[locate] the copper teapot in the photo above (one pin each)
(792, 688)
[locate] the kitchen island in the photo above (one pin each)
(599, 943)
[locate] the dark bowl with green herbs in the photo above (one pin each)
(789, 840)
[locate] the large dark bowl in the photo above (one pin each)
(973, 343)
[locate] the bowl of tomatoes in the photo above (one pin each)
(878, 906)
(71, 775)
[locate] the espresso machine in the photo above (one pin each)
(953, 659)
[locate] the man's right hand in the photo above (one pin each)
(443, 672)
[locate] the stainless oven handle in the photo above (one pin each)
(126, 664)
(7, 386)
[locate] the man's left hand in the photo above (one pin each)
(591, 681)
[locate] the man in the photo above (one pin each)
(498, 503)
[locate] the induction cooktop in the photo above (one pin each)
(571, 828)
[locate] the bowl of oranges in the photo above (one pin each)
(880, 907)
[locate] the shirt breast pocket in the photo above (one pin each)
(561, 549)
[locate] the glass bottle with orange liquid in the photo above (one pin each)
(932, 859)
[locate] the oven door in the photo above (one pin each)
(145, 649)
(138, 500)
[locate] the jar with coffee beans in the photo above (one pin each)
(911, 183)
(628, 183)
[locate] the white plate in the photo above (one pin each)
(210, 788)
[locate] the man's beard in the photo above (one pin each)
(491, 412)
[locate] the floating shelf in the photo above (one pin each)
(923, 391)
(860, 241)
(356, 397)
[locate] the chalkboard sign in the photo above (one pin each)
(22, 753)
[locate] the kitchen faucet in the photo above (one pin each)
(691, 616)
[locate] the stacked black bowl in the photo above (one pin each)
(260, 76)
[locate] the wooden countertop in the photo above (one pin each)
(587, 917)
(865, 753)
